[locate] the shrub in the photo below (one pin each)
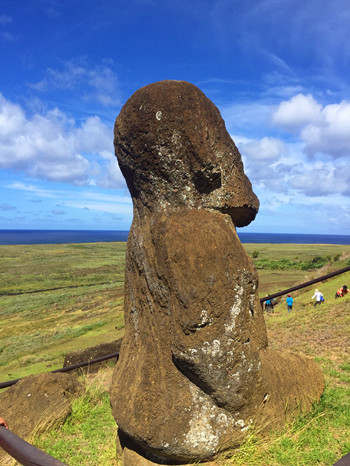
(316, 263)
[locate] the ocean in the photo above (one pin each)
(8, 237)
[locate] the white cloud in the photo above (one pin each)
(30, 188)
(112, 175)
(313, 163)
(261, 160)
(275, 200)
(276, 166)
(54, 148)
(264, 150)
(94, 136)
(280, 85)
(52, 170)
(331, 134)
(105, 83)
(70, 196)
(321, 179)
(296, 112)
(11, 119)
(323, 129)
(94, 82)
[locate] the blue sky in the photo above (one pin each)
(278, 70)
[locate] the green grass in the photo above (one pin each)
(55, 299)
(284, 264)
(281, 266)
(319, 437)
(88, 435)
(28, 268)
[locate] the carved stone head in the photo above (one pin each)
(174, 151)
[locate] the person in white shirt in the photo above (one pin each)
(319, 297)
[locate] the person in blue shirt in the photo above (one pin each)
(269, 305)
(289, 302)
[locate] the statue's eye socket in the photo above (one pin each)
(206, 181)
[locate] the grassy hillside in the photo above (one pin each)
(320, 437)
(323, 333)
(57, 298)
(281, 266)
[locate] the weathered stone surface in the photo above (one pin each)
(174, 151)
(36, 402)
(132, 458)
(194, 371)
(293, 382)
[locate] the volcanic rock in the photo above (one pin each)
(93, 352)
(194, 371)
(36, 403)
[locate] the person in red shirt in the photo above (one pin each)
(342, 292)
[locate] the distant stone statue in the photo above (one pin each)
(194, 371)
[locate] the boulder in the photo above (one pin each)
(93, 352)
(195, 371)
(37, 402)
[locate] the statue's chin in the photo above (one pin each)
(241, 216)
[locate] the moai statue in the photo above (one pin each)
(194, 372)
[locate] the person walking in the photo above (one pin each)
(289, 302)
(319, 297)
(269, 305)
